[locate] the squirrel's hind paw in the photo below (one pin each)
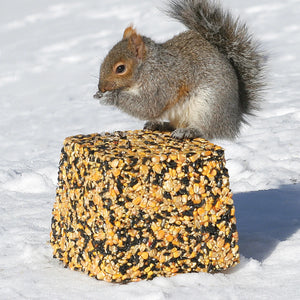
(179, 133)
(160, 126)
(186, 133)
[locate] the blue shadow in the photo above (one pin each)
(265, 218)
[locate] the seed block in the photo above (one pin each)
(138, 204)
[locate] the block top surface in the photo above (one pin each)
(142, 143)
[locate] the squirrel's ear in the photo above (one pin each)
(128, 32)
(135, 42)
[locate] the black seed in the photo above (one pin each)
(180, 238)
(212, 229)
(182, 192)
(112, 219)
(226, 216)
(167, 195)
(159, 179)
(133, 182)
(233, 227)
(170, 246)
(227, 239)
(158, 216)
(185, 169)
(120, 201)
(185, 181)
(134, 161)
(171, 164)
(210, 268)
(188, 229)
(198, 163)
(173, 259)
(160, 248)
(200, 265)
(188, 213)
(119, 185)
(134, 259)
(220, 152)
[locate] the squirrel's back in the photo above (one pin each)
(206, 87)
(231, 38)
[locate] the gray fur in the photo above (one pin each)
(215, 60)
(231, 37)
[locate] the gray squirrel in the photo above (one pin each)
(204, 81)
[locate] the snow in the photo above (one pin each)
(49, 56)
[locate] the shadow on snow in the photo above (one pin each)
(265, 218)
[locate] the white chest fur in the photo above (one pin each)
(189, 111)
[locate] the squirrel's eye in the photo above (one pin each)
(120, 69)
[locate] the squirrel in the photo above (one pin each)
(203, 81)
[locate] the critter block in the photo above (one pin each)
(139, 204)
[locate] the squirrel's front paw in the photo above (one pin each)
(156, 125)
(107, 98)
(98, 95)
(186, 133)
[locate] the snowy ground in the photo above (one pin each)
(49, 59)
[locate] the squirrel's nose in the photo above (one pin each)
(101, 87)
(106, 86)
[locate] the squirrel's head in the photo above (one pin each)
(118, 67)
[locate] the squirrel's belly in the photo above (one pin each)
(191, 111)
(178, 115)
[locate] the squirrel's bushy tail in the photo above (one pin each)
(232, 39)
